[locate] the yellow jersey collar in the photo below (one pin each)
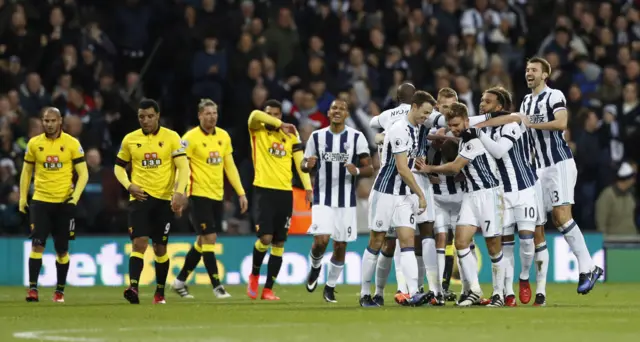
(154, 132)
(204, 131)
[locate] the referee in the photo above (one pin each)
(209, 151)
(54, 155)
(154, 153)
(274, 144)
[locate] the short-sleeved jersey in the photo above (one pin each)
(514, 168)
(448, 185)
(151, 158)
(550, 146)
(481, 169)
(400, 138)
(206, 153)
(53, 161)
(389, 116)
(333, 185)
(272, 153)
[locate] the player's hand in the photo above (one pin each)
(525, 119)
(353, 170)
(422, 205)
(309, 197)
(288, 129)
(459, 177)
(178, 203)
(422, 167)
(137, 192)
(244, 204)
(434, 180)
(23, 206)
(379, 138)
(311, 162)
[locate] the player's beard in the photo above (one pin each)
(55, 132)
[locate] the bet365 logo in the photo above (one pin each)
(151, 160)
(277, 149)
(52, 163)
(214, 158)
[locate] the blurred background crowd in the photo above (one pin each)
(95, 59)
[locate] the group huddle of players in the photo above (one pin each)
(442, 174)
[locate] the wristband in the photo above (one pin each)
(305, 165)
(357, 171)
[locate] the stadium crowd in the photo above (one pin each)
(94, 60)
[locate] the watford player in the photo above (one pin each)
(53, 155)
(209, 151)
(274, 145)
(154, 153)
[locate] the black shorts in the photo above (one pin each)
(273, 213)
(151, 218)
(51, 218)
(206, 215)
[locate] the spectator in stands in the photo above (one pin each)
(33, 95)
(616, 205)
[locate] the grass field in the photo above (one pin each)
(611, 312)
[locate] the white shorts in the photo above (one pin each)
(542, 211)
(484, 209)
(387, 212)
(521, 207)
(447, 211)
(340, 223)
(429, 215)
(558, 182)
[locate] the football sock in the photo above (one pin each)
(35, 264)
(575, 239)
(509, 264)
(62, 269)
(448, 266)
(463, 279)
(498, 269)
(335, 269)
(383, 268)
(190, 262)
(369, 261)
(430, 258)
(422, 270)
(211, 264)
(136, 263)
(410, 268)
(441, 264)
(469, 267)
(316, 260)
(526, 255)
(273, 268)
(259, 251)
(402, 284)
(542, 265)
(162, 271)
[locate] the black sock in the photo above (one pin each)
(273, 268)
(190, 263)
(210, 262)
(136, 264)
(258, 257)
(35, 264)
(162, 271)
(448, 270)
(62, 269)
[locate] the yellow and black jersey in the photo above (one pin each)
(207, 153)
(272, 152)
(53, 161)
(151, 157)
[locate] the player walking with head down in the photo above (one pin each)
(333, 153)
(53, 156)
(155, 153)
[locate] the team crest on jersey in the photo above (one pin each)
(61, 148)
(347, 146)
(138, 145)
(151, 160)
(379, 223)
(161, 143)
(204, 144)
(277, 150)
(52, 163)
(40, 148)
(214, 158)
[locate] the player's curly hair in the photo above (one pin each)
(205, 103)
(457, 110)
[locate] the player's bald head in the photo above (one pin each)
(405, 92)
(51, 111)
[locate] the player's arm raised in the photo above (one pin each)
(494, 119)
(25, 178)
(80, 166)
(258, 119)
(511, 133)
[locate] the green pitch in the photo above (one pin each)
(610, 313)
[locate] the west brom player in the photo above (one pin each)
(544, 113)
(482, 205)
(397, 198)
(333, 153)
(509, 144)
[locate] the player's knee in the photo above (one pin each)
(508, 238)
(266, 239)
(321, 241)
(37, 247)
(561, 215)
(159, 250)
(441, 240)
(140, 244)
(389, 247)
(426, 228)
(339, 249)
(494, 245)
(376, 241)
(538, 235)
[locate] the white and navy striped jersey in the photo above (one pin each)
(401, 137)
(514, 167)
(481, 169)
(333, 185)
(448, 185)
(550, 146)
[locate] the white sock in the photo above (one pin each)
(542, 265)
(469, 267)
(421, 270)
(509, 265)
(431, 263)
(369, 258)
(575, 239)
(316, 262)
(441, 261)
(498, 269)
(402, 284)
(335, 269)
(178, 283)
(383, 268)
(410, 269)
(463, 277)
(472, 247)
(526, 256)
